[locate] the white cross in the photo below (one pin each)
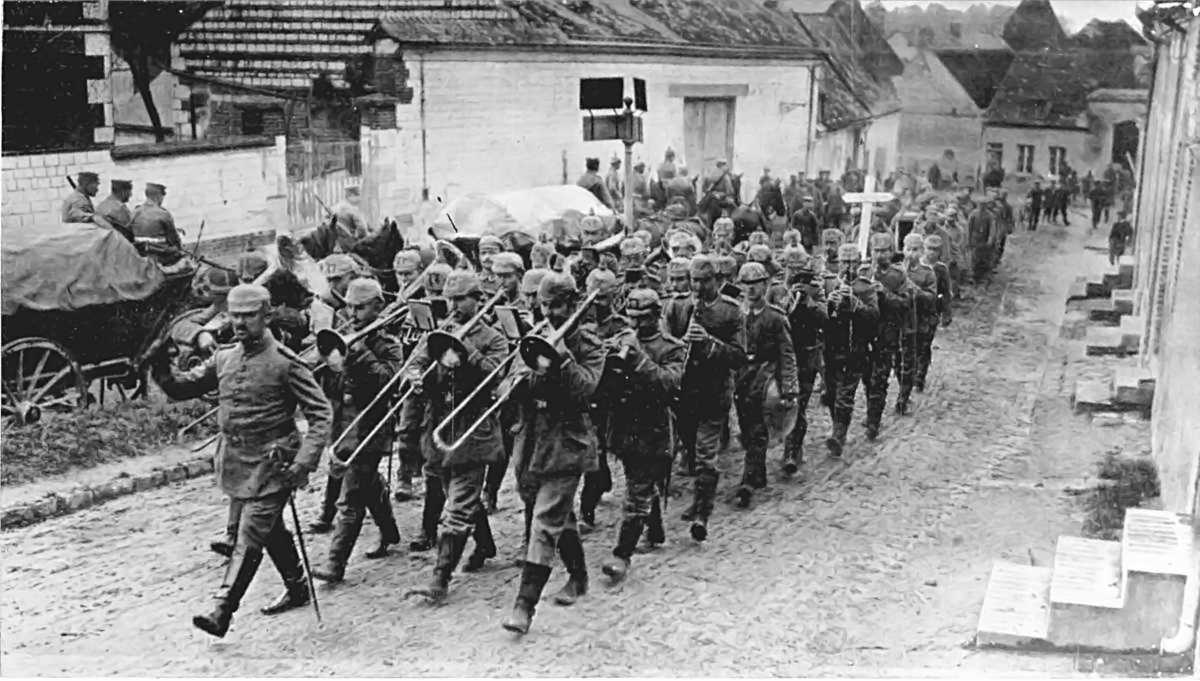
(868, 199)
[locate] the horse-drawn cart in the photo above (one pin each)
(82, 314)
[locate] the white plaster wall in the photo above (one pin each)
(483, 122)
(1075, 142)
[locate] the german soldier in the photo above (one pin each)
(853, 313)
(943, 308)
(807, 317)
(608, 324)
(152, 221)
(114, 208)
(77, 207)
(463, 471)
(717, 336)
(555, 445)
(369, 364)
(769, 357)
(896, 320)
(509, 270)
(263, 457)
(639, 432)
(925, 284)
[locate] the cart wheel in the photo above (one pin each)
(39, 375)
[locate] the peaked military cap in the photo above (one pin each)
(642, 302)
(118, 185)
(248, 298)
(338, 265)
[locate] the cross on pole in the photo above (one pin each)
(868, 198)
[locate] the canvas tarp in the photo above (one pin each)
(71, 266)
(554, 211)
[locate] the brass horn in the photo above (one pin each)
(533, 349)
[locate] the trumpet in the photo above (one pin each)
(439, 339)
(537, 352)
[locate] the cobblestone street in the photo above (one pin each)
(872, 565)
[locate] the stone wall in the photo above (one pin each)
(1167, 275)
(236, 188)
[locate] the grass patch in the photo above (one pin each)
(90, 437)
(1125, 483)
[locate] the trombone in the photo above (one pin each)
(537, 352)
(439, 339)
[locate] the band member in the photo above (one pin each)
(769, 357)
(639, 431)
(509, 269)
(369, 364)
(896, 319)
(717, 337)
(263, 457)
(924, 280)
(677, 275)
(407, 267)
(555, 445)
(807, 317)
(591, 230)
(943, 308)
(853, 314)
(462, 471)
(607, 325)
(529, 290)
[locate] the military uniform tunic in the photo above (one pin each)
(770, 356)
(848, 334)
(897, 321)
(807, 319)
(77, 207)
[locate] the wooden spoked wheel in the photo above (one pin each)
(39, 376)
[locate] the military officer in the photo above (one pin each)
(151, 221)
(369, 364)
(556, 444)
(925, 284)
(853, 309)
(607, 325)
(716, 333)
(639, 432)
(77, 207)
(263, 457)
(463, 471)
(114, 208)
(769, 357)
(807, 318)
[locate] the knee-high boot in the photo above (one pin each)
(243, 563)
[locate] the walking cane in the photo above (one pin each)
(304, 555)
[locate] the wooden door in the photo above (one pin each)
(708, 133)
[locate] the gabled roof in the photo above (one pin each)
(1051, 88)
(980, 72)
(281, 43)
(1034, 26)
(928, 87)
(851, 92)
(676, 26)
(1108, 35)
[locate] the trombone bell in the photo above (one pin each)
(329, 340)
(538, 353)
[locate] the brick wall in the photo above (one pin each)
(499, 121)
(235, 191)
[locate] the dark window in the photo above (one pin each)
(252, 121)
(1024, 158)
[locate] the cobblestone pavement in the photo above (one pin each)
(872, 565)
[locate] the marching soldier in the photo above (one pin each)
(716, 334)
(151, 221)
(354, 381)
(639, 432)
(896, 319)
(807, 317)
(853, 313)
(677, 276)
(608, 324)
(555, 446)
(831, 241)
(943, 307)
(925, 284)
(769, 357)
(462, 472)
(509, 269)
(77, 207)
(263, 457)
(407, 267)
(115, 210)
(591, 230)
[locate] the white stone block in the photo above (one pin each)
(95, 44)
(103, 135)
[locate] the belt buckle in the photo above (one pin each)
(541, 405)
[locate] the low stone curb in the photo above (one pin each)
(62, 503)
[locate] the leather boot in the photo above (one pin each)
(872, 431)
(282, 550)
(528, 530)
(570, 549)
(385, 518)
(902, 400)
(618, 566)
(655, 533)
(243, 563)
(837, 439)
(404, 485)
(533, 580)
(450, 550)
(485, 543)
(431, 511)
(224, 545)
(706, 491)
(793, 452)
(333, 490)
(345, 535)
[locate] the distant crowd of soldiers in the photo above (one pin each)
(548, 364)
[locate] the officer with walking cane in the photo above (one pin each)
(264, 458)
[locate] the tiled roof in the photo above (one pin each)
(283, 43)
(746, 25)
(923, 88)
(1108, 35)
(1034, 26)
(851, 92)
(1050, 88)
(980, 72)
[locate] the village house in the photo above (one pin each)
(92, 86)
